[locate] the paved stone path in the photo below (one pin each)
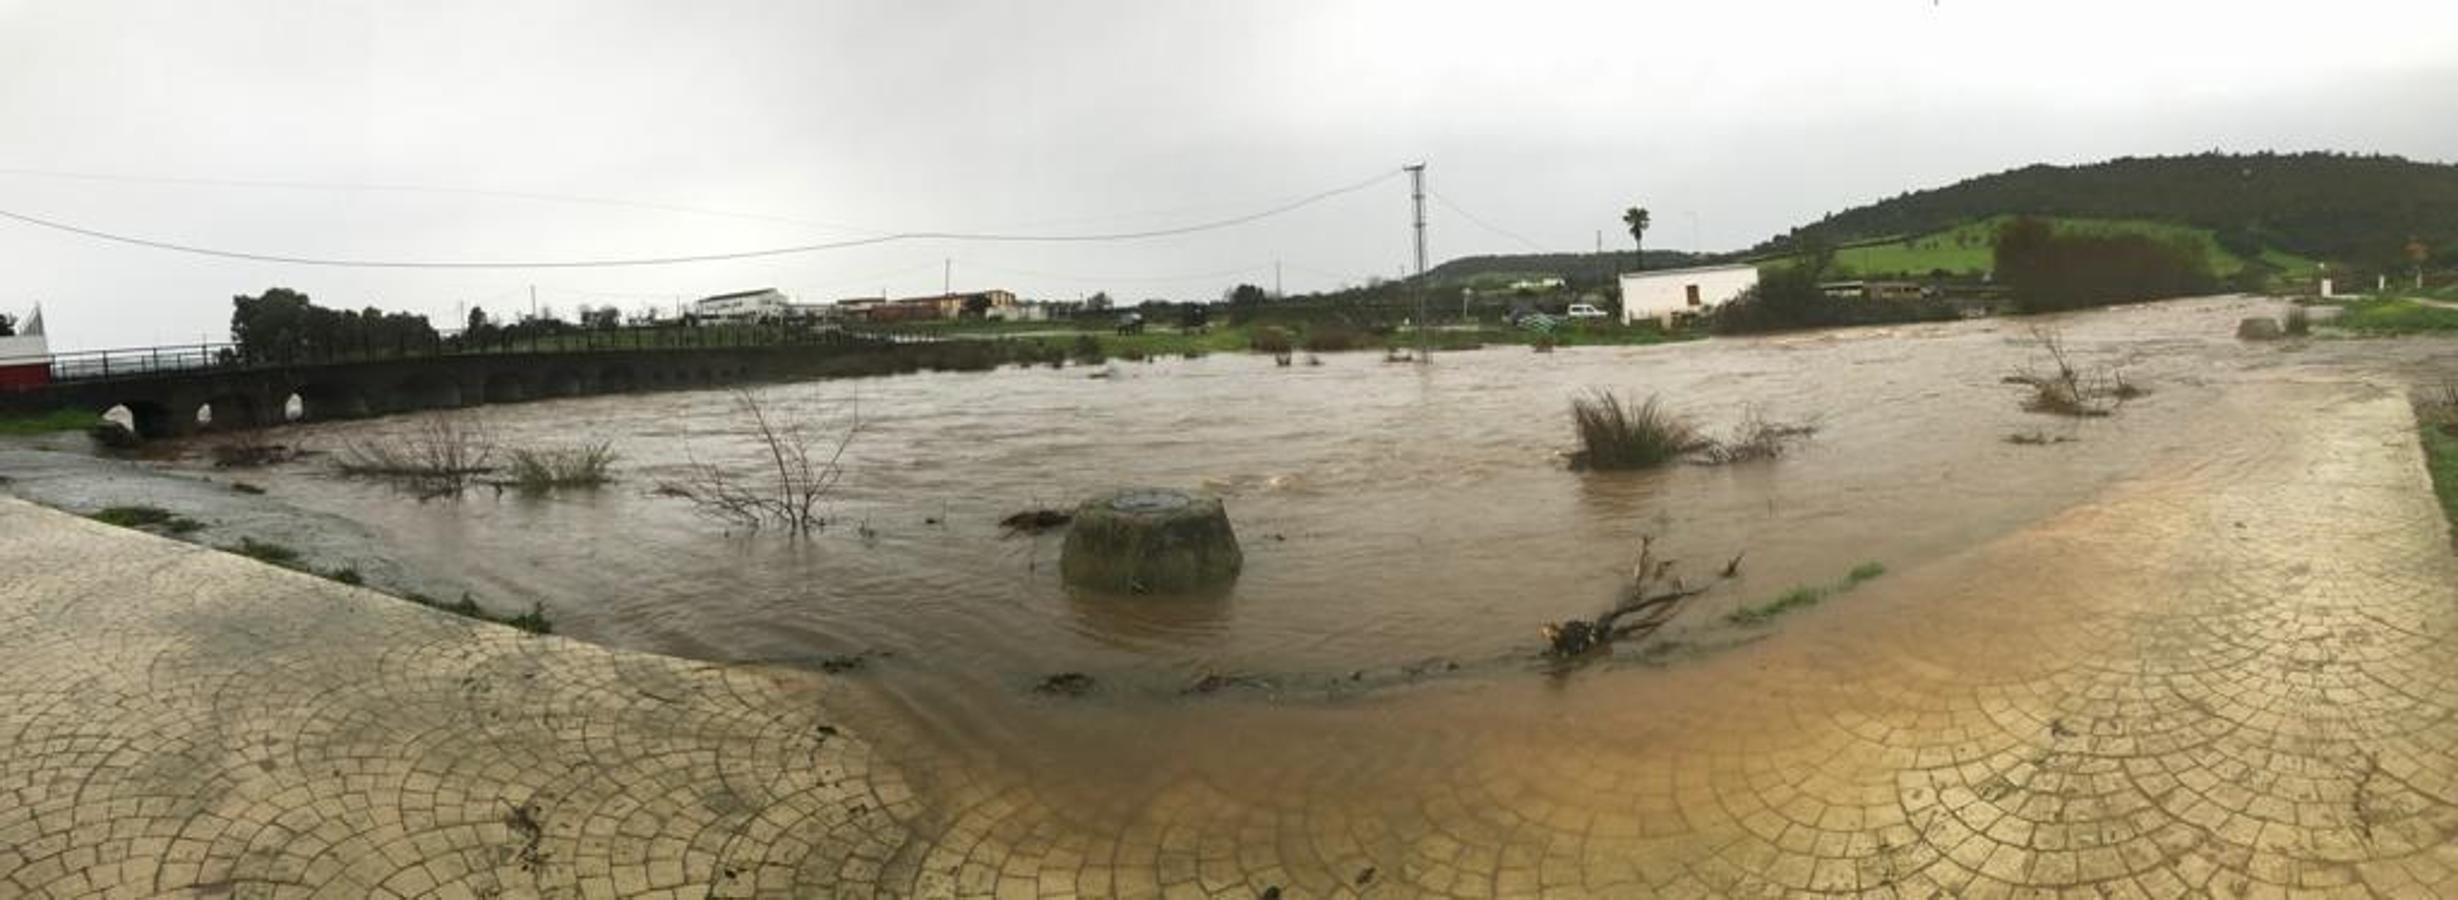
(2235, 675)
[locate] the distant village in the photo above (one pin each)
(772, 305)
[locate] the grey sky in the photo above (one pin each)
(1731, 120)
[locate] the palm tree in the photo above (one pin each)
(1636, 218)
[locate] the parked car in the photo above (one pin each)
(1584, 311)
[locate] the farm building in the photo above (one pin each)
(25, 360)
(1672, 293)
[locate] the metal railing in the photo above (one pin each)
(131, 362)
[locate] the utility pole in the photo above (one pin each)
(1416, 196)
(1276, 294)
(947, 277)
(533, 301)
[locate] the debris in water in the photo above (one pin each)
(1065, 684)
(842, 663)
(523, 820)
(1214, 682)
(1035, 521)
(1653, 597)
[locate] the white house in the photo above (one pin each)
(1669, 293)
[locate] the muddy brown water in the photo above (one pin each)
(1407, 529)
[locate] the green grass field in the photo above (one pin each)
(2433, 423)
(1965, 249)
(46, 423)
(2395, 316)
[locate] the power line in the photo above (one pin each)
(982, 237)
(1481, 223)
(382, 187)
(1150, 279)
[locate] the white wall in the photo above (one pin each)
(23, 348)
(1659, 295)
(762, 304)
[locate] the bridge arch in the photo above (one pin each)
(327, 400)
(562, 383)
(150, 419)
(506, 387)
(425, 390)
(231, 411)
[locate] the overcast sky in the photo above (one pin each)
(545, 131)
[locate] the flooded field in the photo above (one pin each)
(1407, 530)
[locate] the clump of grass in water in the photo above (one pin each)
(147, 518)
(1804, 597)
(1618, 435)
(562, 467)
(266, 552)
(1087, 350)
(534, 621)
(1755, 438)
(1271, 339)
(2069, 391)
(445, 453)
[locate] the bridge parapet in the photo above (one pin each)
(170, 391)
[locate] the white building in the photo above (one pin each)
(765, 303)
(25, 358)
(1671, 293)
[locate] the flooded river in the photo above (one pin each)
(1407, 529)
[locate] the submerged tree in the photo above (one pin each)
(797, 470)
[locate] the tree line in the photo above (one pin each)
(2050, 270)
(284, 325)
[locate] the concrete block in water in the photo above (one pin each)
(2259, 328)
(1150, 540)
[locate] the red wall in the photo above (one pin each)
(25, 376)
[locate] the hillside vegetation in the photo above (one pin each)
(1965, 248)
(2357, 209)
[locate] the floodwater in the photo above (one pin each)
(1407, 529)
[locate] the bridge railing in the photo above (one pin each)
(129, 362)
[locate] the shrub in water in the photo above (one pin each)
(1618, 435)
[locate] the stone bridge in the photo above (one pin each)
(173, 402)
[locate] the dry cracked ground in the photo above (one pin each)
(2232, 675)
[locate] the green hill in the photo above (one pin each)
(1964, 249)
(2282, 207)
